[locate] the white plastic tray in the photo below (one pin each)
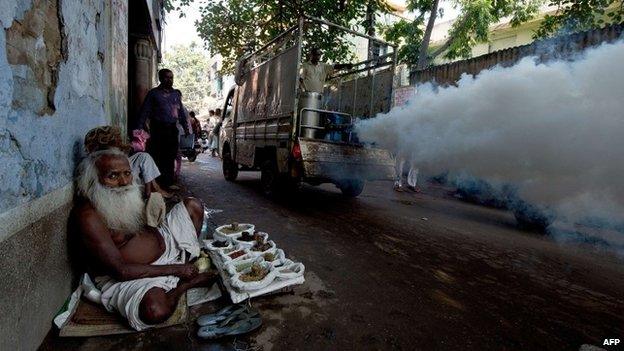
(236, 296)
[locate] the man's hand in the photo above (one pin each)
(187, 272)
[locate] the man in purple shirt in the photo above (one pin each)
(163, 108)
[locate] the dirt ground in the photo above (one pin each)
(402, 271)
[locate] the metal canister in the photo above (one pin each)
(310, 118)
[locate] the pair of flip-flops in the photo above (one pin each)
(229, 321)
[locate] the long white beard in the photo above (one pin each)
(122, 208)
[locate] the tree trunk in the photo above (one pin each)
(422, 54)
(370, 28)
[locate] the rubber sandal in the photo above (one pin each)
(240, 327)
(234, 318)
(221, 315)
(246, 326)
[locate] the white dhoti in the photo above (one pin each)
(125, 297)
(143, 167)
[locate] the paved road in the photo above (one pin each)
(407, 271)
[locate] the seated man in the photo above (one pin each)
(141, 271)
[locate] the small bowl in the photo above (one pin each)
(210, 247)
(224, 232)
(272, 249)
(250, 244)
(279, 257)
(233, 267)
(283, 263)
(225, 256)
(290, 271)
(257, 285)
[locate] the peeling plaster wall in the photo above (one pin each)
(63, 71)
(38, 152)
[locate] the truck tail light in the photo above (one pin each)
(296, 152)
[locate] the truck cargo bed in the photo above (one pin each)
(335, 160)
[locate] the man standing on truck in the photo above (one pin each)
(163, 108)
(314, 73)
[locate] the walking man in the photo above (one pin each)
(196, 126)
(163, 108)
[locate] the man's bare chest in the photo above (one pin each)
(143, 247)
(120, 238)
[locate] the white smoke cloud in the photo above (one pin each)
(555, 130)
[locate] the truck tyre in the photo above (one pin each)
(291, 185)
(268, 178)
(230, 168)
(351, 187)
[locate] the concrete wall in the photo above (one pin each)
(63, 70)
(554, 48)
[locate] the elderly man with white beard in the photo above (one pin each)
(141, 271)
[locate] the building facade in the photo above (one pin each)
(502, 36)
(64, 69)
(220, 83)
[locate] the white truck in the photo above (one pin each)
(291, 136)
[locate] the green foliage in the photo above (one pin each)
(191, 74)
(229, 26)
(471, 26)
(408, 36)
(170, 5)
(579, 15)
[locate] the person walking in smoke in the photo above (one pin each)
(163, 108)
(405, 174)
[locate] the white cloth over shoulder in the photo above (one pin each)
(143, 167)
(125, 297)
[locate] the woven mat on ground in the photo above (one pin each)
(89, 319)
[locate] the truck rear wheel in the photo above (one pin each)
(351, 187)
(230, 168)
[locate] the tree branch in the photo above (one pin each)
(422, 54)
(441, 49)
(446, 44)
